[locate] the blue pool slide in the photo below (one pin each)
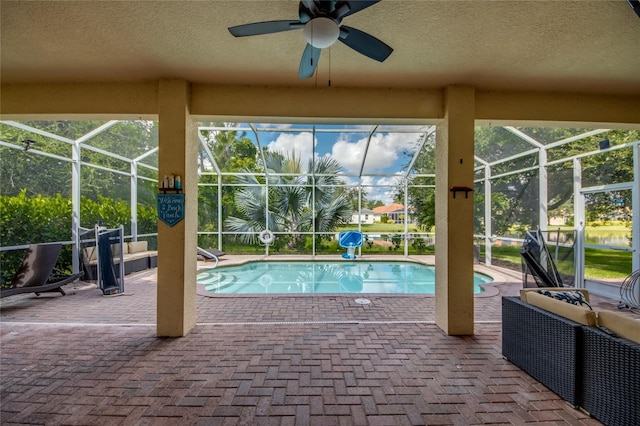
(350, 240)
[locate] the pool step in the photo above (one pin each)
(216, 281)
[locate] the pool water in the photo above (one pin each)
(324, 277)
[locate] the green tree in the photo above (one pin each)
(232, 152)
(128, 139)
(352, 195)
(515, 196)
(290, 199)
(373, 204)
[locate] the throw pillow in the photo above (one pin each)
(574, 297)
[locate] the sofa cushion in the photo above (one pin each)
(572, 312)
(137, 246)
(623, 326)
(115, 249)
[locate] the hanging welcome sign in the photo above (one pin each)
(171, 208)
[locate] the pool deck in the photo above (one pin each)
(91, 359)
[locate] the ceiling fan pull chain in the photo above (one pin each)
(329, 67)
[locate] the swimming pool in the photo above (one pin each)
(277, 277)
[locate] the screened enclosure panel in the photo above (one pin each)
(479, 199)
(34, 174)
(588, 141)
(608, 235)
(560, 207)
(514, 204)
(607, 168)
(128, 139)
(547, 135)
(497, 143)
(26, 138)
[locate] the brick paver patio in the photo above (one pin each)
(87, 359)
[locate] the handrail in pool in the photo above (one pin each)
(210, 255)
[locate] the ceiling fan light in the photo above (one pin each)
(321, 32)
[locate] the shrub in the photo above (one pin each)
(34, 220)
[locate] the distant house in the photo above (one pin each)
(365, 216)
(393, 211)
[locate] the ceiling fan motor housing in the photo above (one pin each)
(321, 32)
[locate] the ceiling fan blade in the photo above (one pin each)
(266, 27)
(311, 6)
(364, 43)
(309, 61)
(346, 8)
(635, 5)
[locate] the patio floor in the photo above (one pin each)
(90, 359)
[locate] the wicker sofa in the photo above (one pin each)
(590, 359)
(136, 257)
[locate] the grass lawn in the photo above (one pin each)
(599, 264)
(380, 227)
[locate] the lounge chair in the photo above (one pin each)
(537, 262)
(210, 254)
(36, 275)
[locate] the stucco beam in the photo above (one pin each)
(79, 101)
(118, 100)
(557, 109)
(337, 105)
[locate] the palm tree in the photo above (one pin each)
(291, 198)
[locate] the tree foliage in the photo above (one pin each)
(285, 201)
(232, 151)
(38, 174)
(514, 197)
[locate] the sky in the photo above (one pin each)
(385, 162)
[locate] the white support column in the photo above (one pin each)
(488, 225)
(134, 200)
(406, 216)
(635, 217)
(313, 217)
(543, 214)
(219, 211)
(578, 223)
(360, 211)
(76, 195)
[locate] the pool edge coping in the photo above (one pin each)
(489, 289)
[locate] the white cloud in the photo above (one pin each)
(349, 154)
(368, 180)
(274, 126)
(389, 180)
(386, 188)
(300, 143)
(384, 150)
(383, 189)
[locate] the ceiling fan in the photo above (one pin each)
(321, 22)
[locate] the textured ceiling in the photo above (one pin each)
(565, 46)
